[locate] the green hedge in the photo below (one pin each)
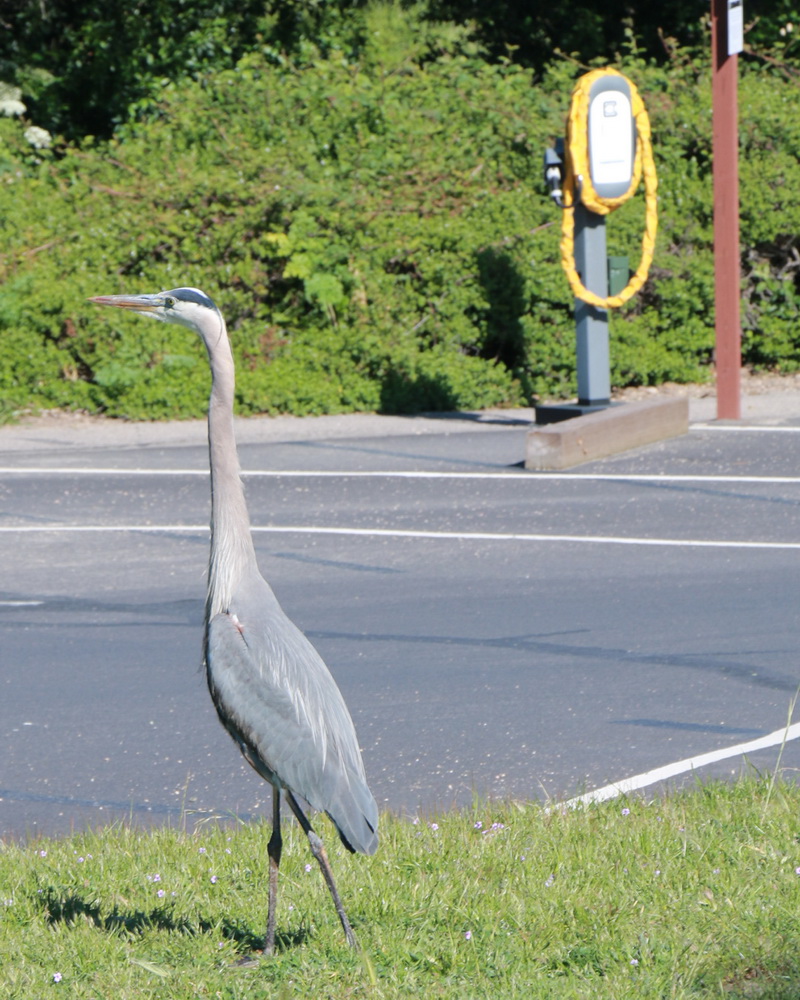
(376, 231)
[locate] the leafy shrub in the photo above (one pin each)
(376, 232)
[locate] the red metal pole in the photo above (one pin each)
(727, 285)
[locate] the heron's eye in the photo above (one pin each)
(169, 301)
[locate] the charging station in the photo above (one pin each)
(599, 167)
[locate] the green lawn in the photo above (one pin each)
(693, 895)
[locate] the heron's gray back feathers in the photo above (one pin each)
(279, 701)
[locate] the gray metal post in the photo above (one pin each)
(591, 323)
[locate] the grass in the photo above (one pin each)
(693, 895)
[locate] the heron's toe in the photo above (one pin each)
(248, 962)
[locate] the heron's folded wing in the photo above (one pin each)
(277, 698)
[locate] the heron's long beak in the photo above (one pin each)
(138, 303)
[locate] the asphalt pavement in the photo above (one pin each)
(495, 632)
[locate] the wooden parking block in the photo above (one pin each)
(606, 432)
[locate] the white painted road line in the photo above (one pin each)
(66, 470)
(777, 738)
(531, 477)
(467, 536)
(750, 429)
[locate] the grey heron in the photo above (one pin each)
(271, 689)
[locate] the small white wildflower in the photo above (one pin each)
(39, 138)
(10, 101)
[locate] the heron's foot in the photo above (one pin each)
(248, 962)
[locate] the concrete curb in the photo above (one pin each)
(70, 431)
(596, 435)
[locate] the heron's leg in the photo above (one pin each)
(274, 851)
(318, 851)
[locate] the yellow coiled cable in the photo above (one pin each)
(578, 172)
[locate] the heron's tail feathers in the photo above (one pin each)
(361, 837)
(354, 812)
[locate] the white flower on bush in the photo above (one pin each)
(10, 103)
(38, 137)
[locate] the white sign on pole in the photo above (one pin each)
(735, 27)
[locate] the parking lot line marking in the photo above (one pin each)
(751, 428)
(418, 474)
(786, 734)
(466, 536)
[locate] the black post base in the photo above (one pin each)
(552, 413)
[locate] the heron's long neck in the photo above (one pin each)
(232, 549)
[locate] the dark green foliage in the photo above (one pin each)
(531, 33)
(83, 64)
(370, 216)
(114, 53)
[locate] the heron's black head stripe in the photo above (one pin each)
(192, 295)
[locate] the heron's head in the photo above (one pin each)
(186, 306)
